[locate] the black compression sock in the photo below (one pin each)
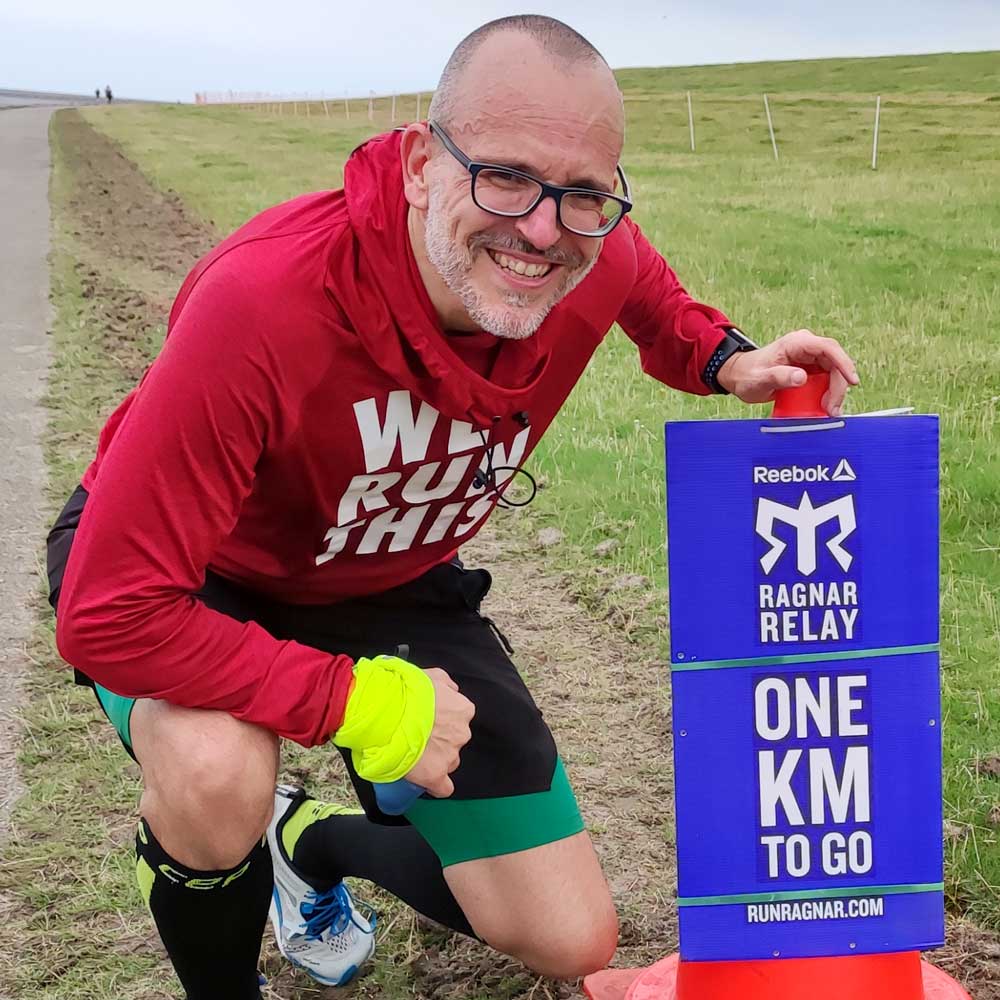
(211, 922)
(396, 858)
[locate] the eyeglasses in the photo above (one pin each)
(512, 193)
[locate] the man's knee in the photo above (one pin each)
(209, 783)
(548, 906)
(569, 947)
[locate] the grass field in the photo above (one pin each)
(900, 264)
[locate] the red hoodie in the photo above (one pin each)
(310, 432)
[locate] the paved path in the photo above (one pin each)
(36, 98)
(41, 99)
(24, 357)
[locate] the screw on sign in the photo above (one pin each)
(899, 975)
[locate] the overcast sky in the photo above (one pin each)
(171, 48)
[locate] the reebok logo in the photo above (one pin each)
(843, 473)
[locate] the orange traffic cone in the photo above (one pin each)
(898, 976)
(805, 400)
(901, 976)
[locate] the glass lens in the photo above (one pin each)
(589, 212)
(500, 191)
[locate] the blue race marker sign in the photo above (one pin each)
(804, 652)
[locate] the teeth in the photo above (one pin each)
(520, 266)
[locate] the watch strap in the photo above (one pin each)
(734, 342)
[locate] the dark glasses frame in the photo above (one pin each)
(554, 191)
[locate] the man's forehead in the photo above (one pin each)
(512, 77)
(532, 113)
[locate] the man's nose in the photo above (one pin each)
(540, 227)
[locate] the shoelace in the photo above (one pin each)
(331, 909)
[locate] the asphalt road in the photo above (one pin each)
(37, 99)
(24, 360)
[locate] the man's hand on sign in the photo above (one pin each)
(755, 376)
(452, 714)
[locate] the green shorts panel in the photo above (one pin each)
(468, 829)
(118, 709)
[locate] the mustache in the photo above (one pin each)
(503, 241)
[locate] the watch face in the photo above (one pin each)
(746, 344)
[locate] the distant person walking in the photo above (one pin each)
(108, 94)
(97, 93)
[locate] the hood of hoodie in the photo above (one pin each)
(374, 278)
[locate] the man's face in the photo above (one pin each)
(559, 124)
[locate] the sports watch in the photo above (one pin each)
(734, 342)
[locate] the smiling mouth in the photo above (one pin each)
(519, 267)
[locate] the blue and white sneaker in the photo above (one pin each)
(324, 932)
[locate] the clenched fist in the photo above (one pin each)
(452, 714)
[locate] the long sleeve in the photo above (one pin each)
(675, 335)
(169, 489)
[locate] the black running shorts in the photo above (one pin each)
(511, 792)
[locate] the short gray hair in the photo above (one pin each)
(554, 38)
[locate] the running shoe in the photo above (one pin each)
(325, 932)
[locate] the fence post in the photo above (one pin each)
(690, 120)
(878, 108)
(347, 108)
(770, 127)
(393, 109)
(418, 107)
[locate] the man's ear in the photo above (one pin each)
(415, 155)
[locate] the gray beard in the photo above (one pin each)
(510, 320)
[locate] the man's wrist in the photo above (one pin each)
(725, 378)
(734, 342)
(388, 718)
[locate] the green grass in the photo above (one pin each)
(900, 264)
(941, 73)
(75, 927)
(83, 901)
(211, 160)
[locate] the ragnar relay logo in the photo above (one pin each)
(807, 589)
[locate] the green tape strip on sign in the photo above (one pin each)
(769, 661)
(794, 894)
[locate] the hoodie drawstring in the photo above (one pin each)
(488, 479)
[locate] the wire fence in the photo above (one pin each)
(395, 107)
(712, 122)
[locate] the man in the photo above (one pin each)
(348, 384)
